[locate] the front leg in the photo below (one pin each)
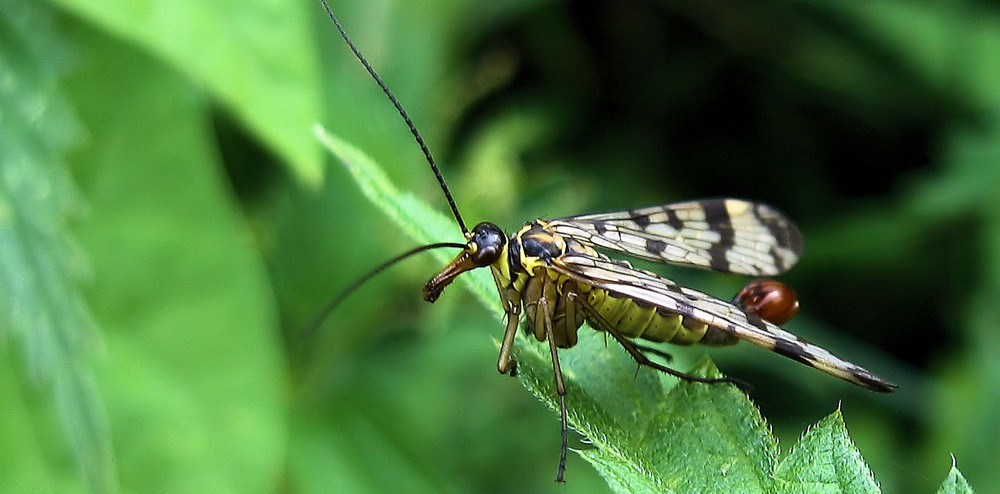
(512, 308)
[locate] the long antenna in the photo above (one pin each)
(307, 333)
(402, 112)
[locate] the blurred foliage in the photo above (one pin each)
(190, 232)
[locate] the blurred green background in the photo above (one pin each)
(168, 224)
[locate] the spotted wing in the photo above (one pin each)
(725, 235)
(621, 279)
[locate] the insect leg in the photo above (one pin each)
(560, 386)
(655, 351)
(506, 364)
(642, 359)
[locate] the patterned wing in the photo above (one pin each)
(725, 235)
(623, 280)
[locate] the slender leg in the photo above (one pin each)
(506, 364)
(642, 359)
(655, 351)
(560, 386)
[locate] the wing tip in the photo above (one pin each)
(874, 383)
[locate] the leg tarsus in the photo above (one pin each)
(565, 440)
(512, 372)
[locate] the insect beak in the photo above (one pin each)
(462, 263)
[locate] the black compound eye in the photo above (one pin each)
(489, 240)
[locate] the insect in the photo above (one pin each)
(555, 276)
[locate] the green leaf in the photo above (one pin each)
(190, 366)
(41, 307)
(695, 436)
(647, 437)
(825, 460)
(955, 483)
(251, 55)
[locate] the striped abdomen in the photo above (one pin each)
(637, 320)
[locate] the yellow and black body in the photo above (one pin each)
(552, 272)
(526, 273)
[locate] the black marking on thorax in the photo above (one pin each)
(514, 257)
(541, 243)
(533, 242)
